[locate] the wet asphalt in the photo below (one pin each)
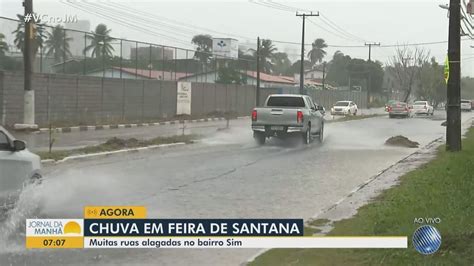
(225, 175)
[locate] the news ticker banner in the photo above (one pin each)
(128, 227)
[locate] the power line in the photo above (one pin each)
(175, 22)
(336, 30)
(125, 23)
(119, 13)
(341, 29)
(261, 3)
(333, 33)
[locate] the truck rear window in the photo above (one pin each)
(286, 102)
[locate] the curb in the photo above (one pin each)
(107, 153)
(134, 125)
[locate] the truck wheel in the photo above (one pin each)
(307, 135)
(321, 134)
(259, 137)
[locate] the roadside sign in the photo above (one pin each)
(446, 70)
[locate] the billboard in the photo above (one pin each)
(225, 47)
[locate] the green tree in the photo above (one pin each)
(338, 73)
(204, 47)
(229, 75)
(3, 45)
(431, 85)
(100, 42)
(281, 63)
(317, 52)
(57, 44)
(38, 36)
(267, 50)
(295, 67)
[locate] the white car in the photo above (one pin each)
(344, 108)
(18, 167)
(466, 105)
(422, 107)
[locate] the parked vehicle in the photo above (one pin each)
(285, 114)
(18, 167)
(344, 108)
(466, 105)
(389, 103)
(399, 109)
(422, 107)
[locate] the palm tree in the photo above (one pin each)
(100, 42)
(317, 53)
(281, 63)
(337, 55)
(57, 44)
(3, 45)
(267, 50)
(38, 36)
(204, 47)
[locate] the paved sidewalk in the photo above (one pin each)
(78, 139)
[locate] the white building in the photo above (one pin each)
(77, 44)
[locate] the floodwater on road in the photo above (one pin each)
(225, 175)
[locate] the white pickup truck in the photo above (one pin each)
(285, 114)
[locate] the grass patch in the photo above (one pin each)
(318, 222)
(114, 144)
(309, 231)
(442, 188)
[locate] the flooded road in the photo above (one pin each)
(225, 175)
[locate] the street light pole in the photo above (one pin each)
(453, 121)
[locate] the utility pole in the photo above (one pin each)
(370, 47)
(324, 74)
(304, 15)
(29, 96)
(257, 96)
(453, 121)
(370, 74)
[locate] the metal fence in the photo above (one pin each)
(68, 51)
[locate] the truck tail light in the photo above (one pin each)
(254, 115)
(299, 117)
(389, 108)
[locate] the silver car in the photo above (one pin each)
(18, 167)
(285, 114)
(399, 109)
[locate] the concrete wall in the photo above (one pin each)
(82, 100)
(76, 100)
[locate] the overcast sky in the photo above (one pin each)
(384, 21)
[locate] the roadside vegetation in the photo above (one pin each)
(114, 144)
(441, 188)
